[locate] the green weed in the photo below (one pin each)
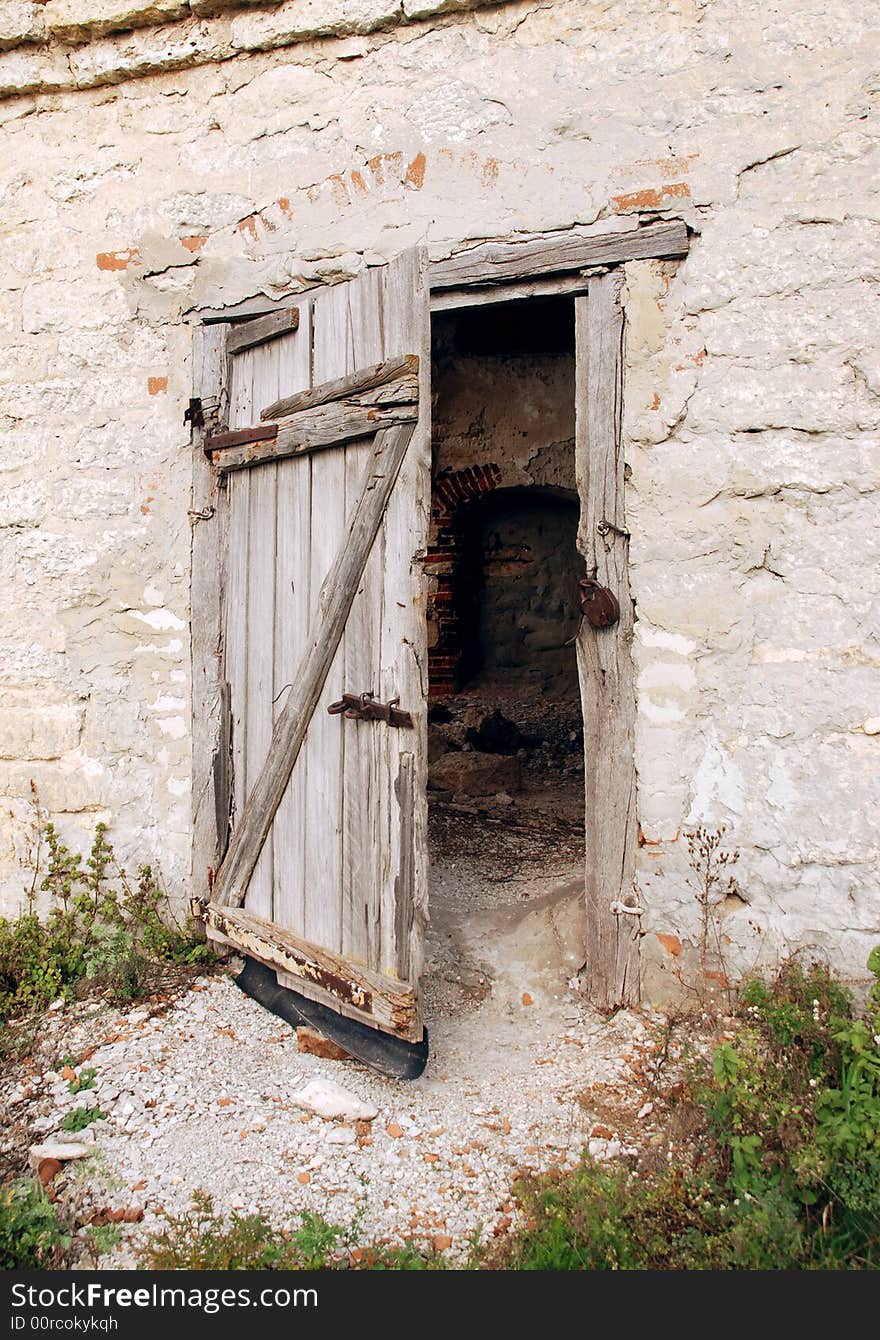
(31, 1237)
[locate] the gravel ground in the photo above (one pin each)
(198, 1091)
(200, 1097)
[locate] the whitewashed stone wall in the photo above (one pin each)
(159, 156)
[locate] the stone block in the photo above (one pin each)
(471, 773)
(21, 21)
(77, 20)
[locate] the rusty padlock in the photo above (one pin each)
(598, 605)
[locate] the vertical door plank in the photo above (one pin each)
(235, 637)
(264, 362)
(293, 547)
(404, 638)
(237, 574)
(605, 662)
(364, 757)
(325, 741)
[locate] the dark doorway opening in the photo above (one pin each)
(506, 784)
(516, 591)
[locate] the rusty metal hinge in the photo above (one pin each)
(194, 415)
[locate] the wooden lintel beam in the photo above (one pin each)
(500, 262)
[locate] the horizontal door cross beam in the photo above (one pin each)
(326, 426)
(360, 992)
(341, 388)
(358, 405)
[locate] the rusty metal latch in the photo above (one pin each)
(364, 707)
(598, 605)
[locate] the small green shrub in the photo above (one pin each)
(201, 1239)
(31, 1237)
(84, 1080)
(81, 1117)
(785, 1172)
(102, 927)
(100, 1240)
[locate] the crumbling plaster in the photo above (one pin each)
(261, 150)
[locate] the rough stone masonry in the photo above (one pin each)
(162, 155)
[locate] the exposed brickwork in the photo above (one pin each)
(452, 488)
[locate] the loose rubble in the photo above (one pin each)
(208, 1092)
(212, 1094)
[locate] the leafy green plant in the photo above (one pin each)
(31, 1236)
(200, 1238)
(102, 927)
(100, 1240)
(81, 1117)
(84, 1080)
(785, 1167)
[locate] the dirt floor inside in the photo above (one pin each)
(506, 863)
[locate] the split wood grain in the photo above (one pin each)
(342, 388)
(260, 330)
(496, 262)
(605, 661)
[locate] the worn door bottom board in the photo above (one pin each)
(359, 993)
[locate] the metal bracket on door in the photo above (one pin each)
(364, 707)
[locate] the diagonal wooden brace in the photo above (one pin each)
(334, 603)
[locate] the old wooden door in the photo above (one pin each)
(325, 876)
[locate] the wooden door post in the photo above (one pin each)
(605, 661)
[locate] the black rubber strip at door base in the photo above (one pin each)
(388, 1055)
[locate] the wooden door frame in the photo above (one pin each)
(586, 266)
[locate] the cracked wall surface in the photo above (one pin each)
(166, 157)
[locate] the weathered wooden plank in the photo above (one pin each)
(405, 890)
(497, 262)
(235, 606)
(239, 436)
(363, 778)
(605, 655)
(337, 594)
(261, 615)
(454, 298)
(239, 373)
(261, 329)
(404, 662)
(381, 1001)
(292, 609)
(222, 773)
(316, 430)
(325, 746)
(208, 516)
(352, 383)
